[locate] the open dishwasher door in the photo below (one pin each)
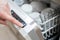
(31, 30)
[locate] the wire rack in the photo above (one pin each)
(50, 27)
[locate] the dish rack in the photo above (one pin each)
(50, 27)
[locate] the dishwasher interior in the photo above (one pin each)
(40, 18)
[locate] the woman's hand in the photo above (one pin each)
(5, 15)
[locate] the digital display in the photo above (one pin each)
(18, 18)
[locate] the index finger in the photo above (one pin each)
(11, 19)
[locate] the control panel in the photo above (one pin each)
(18, 18)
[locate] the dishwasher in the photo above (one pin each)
(40, 19)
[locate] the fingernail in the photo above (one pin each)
(22, 26)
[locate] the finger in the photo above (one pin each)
(10, 18)
(13, 20)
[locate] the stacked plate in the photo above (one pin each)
(47, 14)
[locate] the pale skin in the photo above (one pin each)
(5, 16)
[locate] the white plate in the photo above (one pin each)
(27, 8)
(36, 17)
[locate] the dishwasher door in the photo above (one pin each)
(31, 30)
